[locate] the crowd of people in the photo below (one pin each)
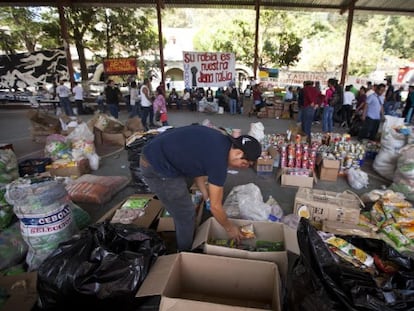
(360, 111)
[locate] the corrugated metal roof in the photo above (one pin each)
(405, 7)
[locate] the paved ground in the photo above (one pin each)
(15, 129)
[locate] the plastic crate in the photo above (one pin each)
(33, 166)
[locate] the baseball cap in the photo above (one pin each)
(249, 145)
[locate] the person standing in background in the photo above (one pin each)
(409, 105)
(134, 100)
(349, 99)
(310, 98)
(146, 103)
(372, 114)
(78, 93)
(160, 106)
(328, 108)
(389, 97)
(63, 93)
(112, 95)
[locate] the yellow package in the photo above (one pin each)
(407, 212)
(408, 231)
(351, 250)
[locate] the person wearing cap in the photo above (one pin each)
(174, 159)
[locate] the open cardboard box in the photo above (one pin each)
(152, 211)
(265, 231)
(22, 291)
(297, 180)
(189, 281)
(320, 205)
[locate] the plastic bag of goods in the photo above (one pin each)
(246, 202)
(101, 268)
(9, 168)
(58, 147)
(357, 179)
(257, 130)
(404, 175)
(45, 215)
(392, 141)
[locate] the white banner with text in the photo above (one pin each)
(208, 69)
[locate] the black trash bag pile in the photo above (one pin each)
(321, 282)
(99, 269)
(134, 154)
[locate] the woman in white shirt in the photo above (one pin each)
(146, 104)
(349, 99)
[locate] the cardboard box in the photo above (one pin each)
(152, 211)
(296, 180)
(320, 205)
(22, 291)
(328, 170)
(74, 169)
(189, 281)
(265, 231)
(264, 166)
(109, 138)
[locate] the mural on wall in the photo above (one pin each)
(23, 70)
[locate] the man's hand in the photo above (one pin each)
(234, 233)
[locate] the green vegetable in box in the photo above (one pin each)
(269, 246)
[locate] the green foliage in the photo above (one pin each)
(23, 24)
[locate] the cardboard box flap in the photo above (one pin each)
(175, 304)
(291, 239)
(157, 277)
(201, 234)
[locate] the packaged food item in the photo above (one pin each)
(395, 235)
(408, 231)
(269, 246)
(351, 250)
(248, 231)
(224, 242)
(385, 265)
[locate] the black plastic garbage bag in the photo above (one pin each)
(134, 154)
(321, 282)
(99, 269)
(134, 148)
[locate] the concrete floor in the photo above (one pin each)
(15, 129)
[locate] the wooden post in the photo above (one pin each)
(160, 5)
(347, 40)
(256, 40)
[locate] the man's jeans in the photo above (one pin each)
(307, 119)
(327, 122)
(174, 195)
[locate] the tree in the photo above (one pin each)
(23, 24)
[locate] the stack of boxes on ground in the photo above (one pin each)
(223, 274)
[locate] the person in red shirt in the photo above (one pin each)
(311, 97)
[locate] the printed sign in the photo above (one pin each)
(204, 69)
(120, 66)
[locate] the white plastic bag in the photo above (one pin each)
(246, 202)
(257, 131)
(357, 179)
(404, 175)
